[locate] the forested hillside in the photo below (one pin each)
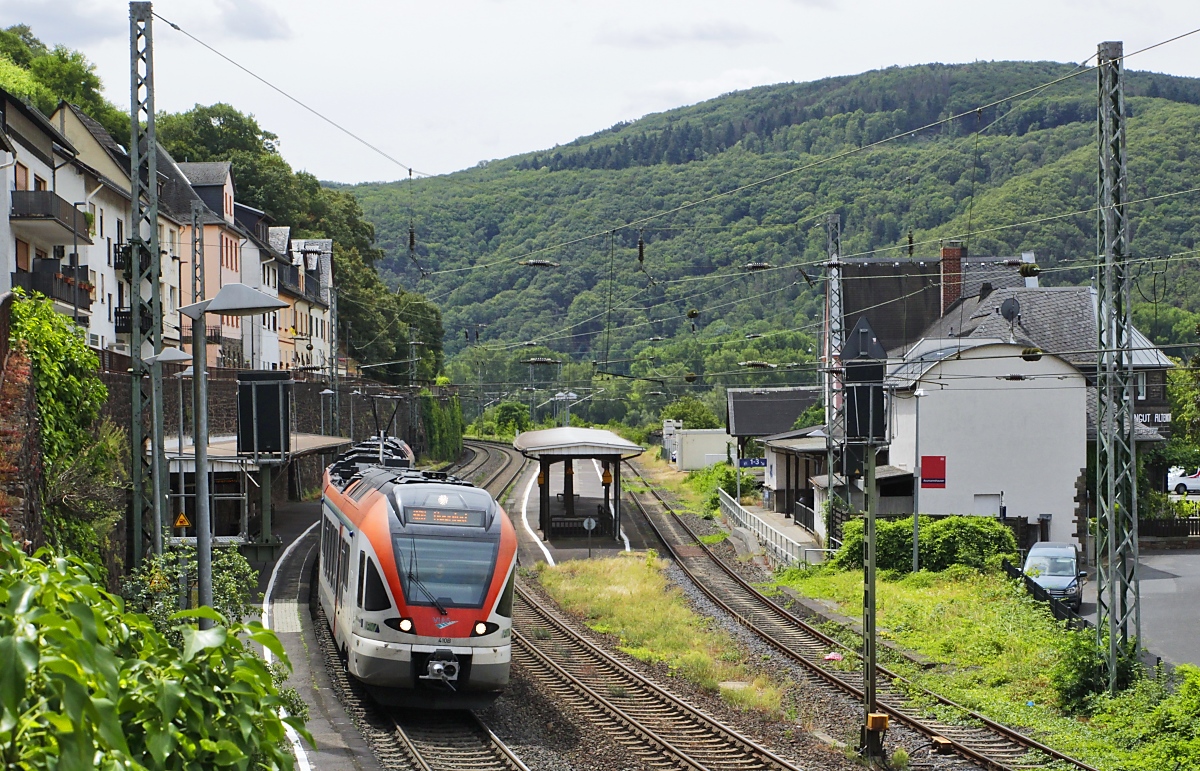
(1017, 175)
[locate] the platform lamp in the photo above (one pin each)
(166, 356)
(179, 376)
(232, 300)
(326, 392)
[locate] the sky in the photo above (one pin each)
(441, 85)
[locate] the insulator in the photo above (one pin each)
(910, 242)
(1031, 354)
(1029, 269)
(693, 313)
(641, 250)
(412, 238)
(467, 335)
(690, 377)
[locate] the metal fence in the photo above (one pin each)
(805, 517)
(781, 550)
(1057, 607)
(1184, 527)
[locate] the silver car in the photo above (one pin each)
(1055, 568)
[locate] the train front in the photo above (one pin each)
(446, 642)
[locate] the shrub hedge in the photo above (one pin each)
(978, 542)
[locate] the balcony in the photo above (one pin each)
(211, 334)
(123, 321)
(58, 286)
(41, 215)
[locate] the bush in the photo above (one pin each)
(1081, 673)
(719, 476)
(976, 542)
(86, 685)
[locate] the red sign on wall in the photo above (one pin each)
(933, 471)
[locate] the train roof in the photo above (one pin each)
(376, 466)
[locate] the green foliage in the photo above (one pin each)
(1081, 673)
(975, 542)
(84, 494)
(443, 426)
(813, 415)
(693, 412)
(375, 322)
(85, 684)
(1037, 159)
(69, 393)
(511, 417)
(1156, 721)
(719, 476)
(29, 69)
(154, 588)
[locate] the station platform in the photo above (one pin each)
(796, 541)
(524, 509)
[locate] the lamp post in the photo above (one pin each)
(189, 372)
(918, 394)
(326, 392)
(167, 356)
(233, 300)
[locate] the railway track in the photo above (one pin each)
(452, 741)
(971, 735)
(662, 730)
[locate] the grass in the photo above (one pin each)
(663, 476)
(994, 648)
(714, 539)
(613, 596)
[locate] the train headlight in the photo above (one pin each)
(400, 624)
(482, 628)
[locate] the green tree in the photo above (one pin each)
(693, 412)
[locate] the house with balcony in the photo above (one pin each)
(260, 334)
(103, 159)
(314, 258)
(43, 195)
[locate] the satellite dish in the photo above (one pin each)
(1010, 309)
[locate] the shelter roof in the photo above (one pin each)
(574, 443)
(766, 411)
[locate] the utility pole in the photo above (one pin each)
(143, 268)
(865, 362)
(333, 346)
(835, 415)
(1118, 605)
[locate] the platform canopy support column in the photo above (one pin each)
(617, 499)
(544, 497)
(569, 486)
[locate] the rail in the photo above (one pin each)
(781, 549)
(805, 517)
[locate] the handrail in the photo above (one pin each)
(780, 549)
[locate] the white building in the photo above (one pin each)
(984, 431)
(695, 448)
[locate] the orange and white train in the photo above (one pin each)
(416, 576)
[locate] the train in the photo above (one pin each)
(416, 575)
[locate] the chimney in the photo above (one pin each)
(953, 253)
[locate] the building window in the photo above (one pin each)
(22, 255)
(38, 183)
(120, 231)
(20, 177)
(1140, 385)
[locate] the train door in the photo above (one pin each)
(342, 609)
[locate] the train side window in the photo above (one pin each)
(343, 567)
(375, 596)
(504, 608)
(362, 575)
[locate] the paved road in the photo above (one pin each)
(1170, 604)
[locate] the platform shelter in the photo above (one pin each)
(564, 512)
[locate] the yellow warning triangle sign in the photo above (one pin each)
(182, 520)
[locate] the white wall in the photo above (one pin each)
(693, 445)
(1026, 439)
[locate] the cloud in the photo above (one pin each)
(73, 23)
(251, 20)
(729, 34)
(675, 93)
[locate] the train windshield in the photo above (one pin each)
(444, 572)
